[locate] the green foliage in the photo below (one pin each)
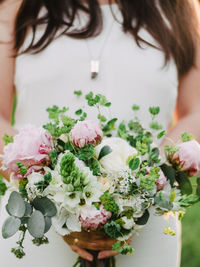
(87, 154)
(154, 125)
(161, 134)
(154, 110)
(147, 181)
(185, 137)
(18, 252)
(121, 248)
(198, 187)
(55, 113)
(79, 112)
(112, 229)
(54, 127)
(106, 150)
(171, 149)
(188, 201)
(184, 183)
(144, 218)
(22, 187)
(135, 108)
(10, 227)
(45, 206)
(16, 205)
(22, 168)
(134, 164)
(136, 127)
(36, 224)
(40, 241)
(109, 203)
(169, 231)
(71, 175)
(83, 117)
(169, 172)
(109, 127)
(3, 186)
(78, 93)
(42, 185)
(53, 157)
(7, 139)
(122, 131)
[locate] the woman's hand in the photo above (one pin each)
(80, 245)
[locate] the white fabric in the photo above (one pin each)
(128, 75)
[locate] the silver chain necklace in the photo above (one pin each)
(95, 59)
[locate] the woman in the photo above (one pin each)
(142, 52)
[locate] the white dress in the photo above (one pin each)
(128, 75)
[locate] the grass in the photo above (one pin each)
(191, 238)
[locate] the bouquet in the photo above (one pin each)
(98, 178)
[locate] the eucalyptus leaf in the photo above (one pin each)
(36, 224)
(134, 164)
(184, 183)
(169, 172)
(10, 227)
(45, 205)
(48, 224)
(16, 205)
(29, 209)
(144, 219)
(104, 152)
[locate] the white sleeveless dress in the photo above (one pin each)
(128, 75)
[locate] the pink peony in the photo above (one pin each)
(161, 181)
(92, 218)
(188, 157)
(31, 146)
(86, 132)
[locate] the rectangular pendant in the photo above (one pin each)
(94, 69)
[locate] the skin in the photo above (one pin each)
(187, 109)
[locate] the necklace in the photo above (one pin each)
(95, 59)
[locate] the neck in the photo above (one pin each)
(106, 2)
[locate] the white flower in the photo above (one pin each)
(59, 222)
(92, 194)
(128, 223)
(107, 184)
(72, 200)
(117, 159)
(65, 222)
(31, 188)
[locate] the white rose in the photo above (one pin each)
(128, 223)
(117, 159)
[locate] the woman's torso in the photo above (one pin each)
(128, 75)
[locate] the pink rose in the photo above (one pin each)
(31, 146)
(161, 181)
(92, 218)
(188, 157)
(86, 132)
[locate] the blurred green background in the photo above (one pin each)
(191, 238)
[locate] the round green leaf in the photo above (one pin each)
(45, 205)
(28, 210)
(134, 164)
(47, 224)
(10, 227)
(16, 205)
(36, 224)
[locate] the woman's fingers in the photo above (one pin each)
(106, 254)
(82, 253)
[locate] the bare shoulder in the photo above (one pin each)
(8, 13)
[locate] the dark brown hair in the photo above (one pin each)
(172, 23)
